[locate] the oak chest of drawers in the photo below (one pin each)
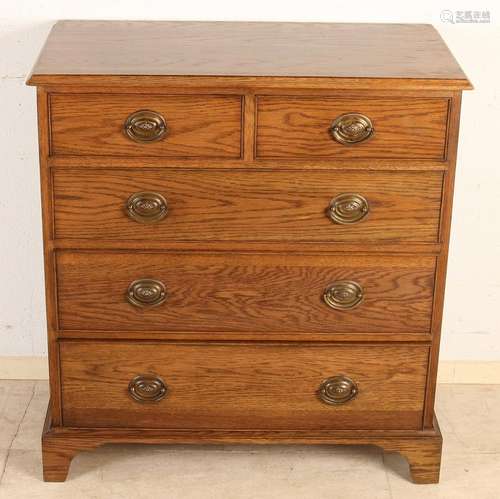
(246, 230)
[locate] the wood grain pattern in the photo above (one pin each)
(47, 209)
(273, 164)
(422, 449)
(247, 293)
(212, 85)
(282, 336)
(244, 333)
(423, 456)
(292, 126)
(198, 126)
(247, 206)
(440, 283)
(375, 51)
(405, 248)
(243, 386)
(147, 83)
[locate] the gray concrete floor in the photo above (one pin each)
(469, 416)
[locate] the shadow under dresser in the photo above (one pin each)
(246, 232)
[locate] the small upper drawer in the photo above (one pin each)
(330, 127)
(146, 125)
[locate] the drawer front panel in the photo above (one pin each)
(230, 292)
(240, 386)
(248, 206)
(300, 127)
(196, 126)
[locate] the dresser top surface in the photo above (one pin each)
(246, 49)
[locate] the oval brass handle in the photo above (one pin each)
(147, 388)
(348, 208)
(146, 293)
(145, 126)
(351, 128)
(343, 295)
(337, 390)
(146, 207)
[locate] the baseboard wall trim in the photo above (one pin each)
(24, 368)
(466, 372)
(469, 372)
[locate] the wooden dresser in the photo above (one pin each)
(246, 231)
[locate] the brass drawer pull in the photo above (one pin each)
(147, 388)
(351, 128)
(343, 295)
(145, 126)
(146, 207)
(337, 390)
(348, 208)
(146, 293)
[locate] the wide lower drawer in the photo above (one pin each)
(232, 292)
(340, 127)
(242, 386)
(146, 125)
(247, 206)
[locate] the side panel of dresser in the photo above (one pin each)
(49, 256)
(444, 234)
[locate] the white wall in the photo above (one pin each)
(471, 329)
